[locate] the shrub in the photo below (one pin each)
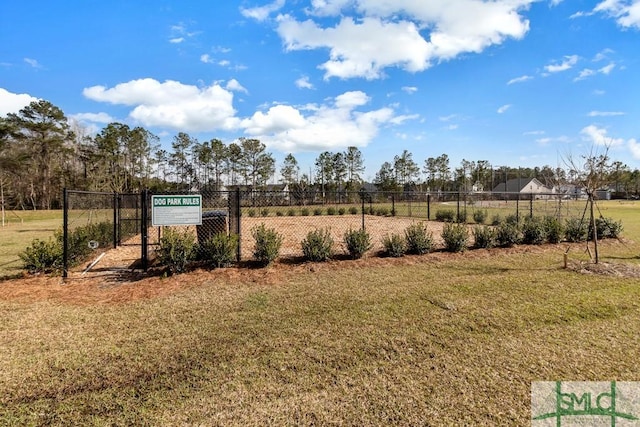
(484, 237)
(353, 210)
(341, 211)
(395, 245)
(220, 250)
(496, 219)
(291, 212)
(251, 212)
(512, 219)
(304, 212)
(607, 228)
(47, 256)
(331, 210)
(317, 211)
(576, 230)
(264, 212)
(42, 256)
(534, 231)
(267, 244)
(554, 229)
(445, 215)
(358, 242)
(279, 213)
(461, 217)
(419, 239)
(508, 234)
(479, 216)
(370, 210)
(176, 250)
(382, 211)
(615, 228)
(318, 245)
(78, 240)
(456, 237)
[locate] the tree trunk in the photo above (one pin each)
(594, 230)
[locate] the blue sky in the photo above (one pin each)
(514, 82)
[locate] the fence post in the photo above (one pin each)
(116, 220)
(238, 228)
(362, 195)
(144, 229)
(428, 207)
(65, 233)
(393, 205)
(531, 207)
(458, 207)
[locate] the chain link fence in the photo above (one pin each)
(98, 221)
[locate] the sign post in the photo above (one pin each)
(176, 209)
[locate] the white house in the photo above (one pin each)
(526, 186)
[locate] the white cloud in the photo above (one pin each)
(602, 55)
(334, 125)
(634, 147)
(579, 14)
(520, 79)
(13, 102)
(338, 123)
(503, 109)
(598, 136)
(566, 64)
(587, 72)
(261, 13)
(410, 89)
(224, 63)
(32, 62)
(605, 113)
(206, 58)
(235, 86)
(547, 140)
(171, 104)
(447, 118)
(607, 69)
(103, 118)
(390, 33)
(179, 33)
(398, 120)
(625, 12)
(304, 83)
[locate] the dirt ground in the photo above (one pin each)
(116, 277)
(294, 230)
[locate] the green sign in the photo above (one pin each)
(176, 209)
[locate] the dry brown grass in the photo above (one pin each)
(440, 339)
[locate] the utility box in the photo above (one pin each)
(213, 222)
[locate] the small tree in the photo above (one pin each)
(591, 173)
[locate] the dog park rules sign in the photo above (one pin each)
(176, 210)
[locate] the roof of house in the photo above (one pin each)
(520, 185)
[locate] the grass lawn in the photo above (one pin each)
(439, 339)
(20, 228)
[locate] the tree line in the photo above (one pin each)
(42, 152)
